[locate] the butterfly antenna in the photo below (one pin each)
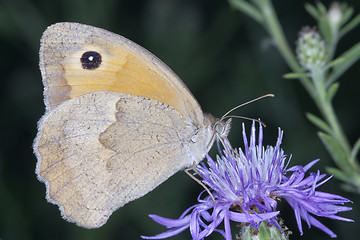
(246, 118)
(241, 105)
(224, 140)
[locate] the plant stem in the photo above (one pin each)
(316, 86)
(275, 30)
(317, 90)
(326, 109)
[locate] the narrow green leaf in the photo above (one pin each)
(322, 8)
(326, 32)
(351, 184)
(334, 62)
(346, 15)
(337, 173)
(248, 9)
(332, 91)
(348, 27)
(355, 149)
(312, 11)
(350, 57)
(318, 122)
(336, 151)
(295, 75)
(350, 188)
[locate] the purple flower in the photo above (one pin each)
(245, 186)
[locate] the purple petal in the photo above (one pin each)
(242, 217)
(227, 227)
(166, 234)
(321, 226)
(170, 223)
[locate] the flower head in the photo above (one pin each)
(311, 50)
(245, 186)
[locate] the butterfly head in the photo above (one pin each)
(222, 128)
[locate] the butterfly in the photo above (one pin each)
(118, 122)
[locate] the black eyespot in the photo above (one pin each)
(90, 60)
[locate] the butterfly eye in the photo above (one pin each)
(90, 60)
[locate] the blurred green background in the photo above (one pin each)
(222, 56)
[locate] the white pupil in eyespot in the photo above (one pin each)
(91, 58)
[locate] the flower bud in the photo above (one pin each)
(334, 15)
(311, 51)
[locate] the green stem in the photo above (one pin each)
(275, 30)
(316, 88)
(318, 93)
(333, 45)
(349, 165)
(326, 109)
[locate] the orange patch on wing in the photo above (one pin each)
(122, 71)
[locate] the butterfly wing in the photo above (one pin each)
(126, 67)
(113, 132)
(106, 153)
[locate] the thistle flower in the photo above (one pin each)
(245, 186)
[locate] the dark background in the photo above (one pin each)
(225, 59)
